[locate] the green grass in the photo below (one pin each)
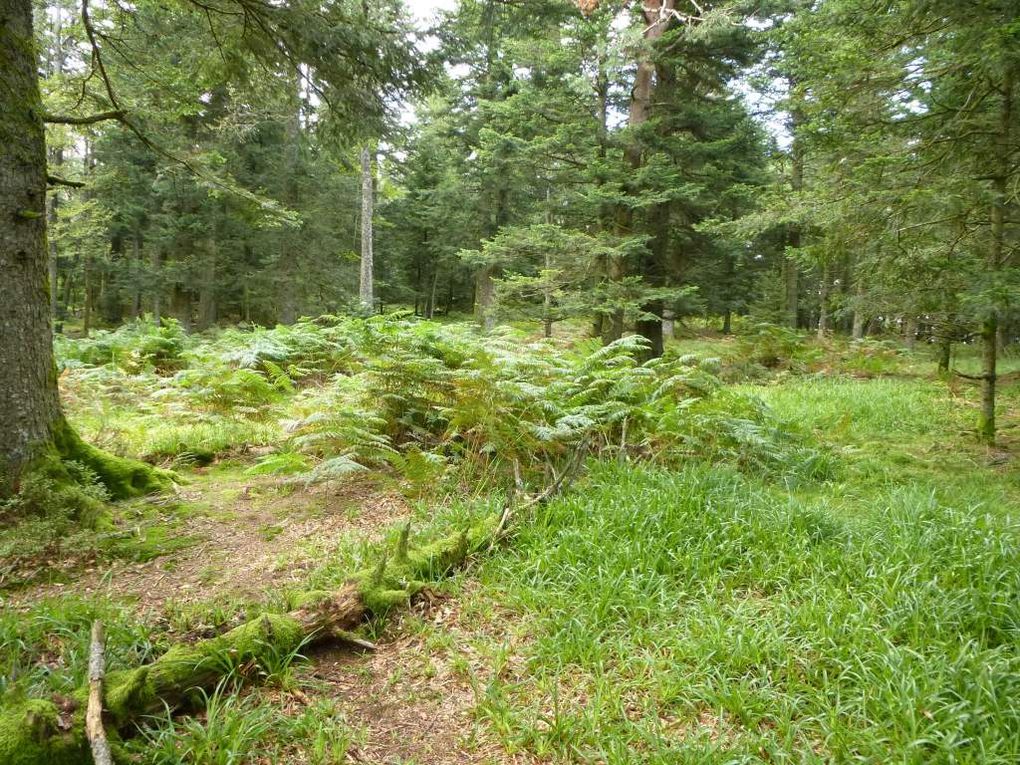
(236, 730)
(45, 648)
(702, 615)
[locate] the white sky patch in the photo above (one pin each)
(424, 11)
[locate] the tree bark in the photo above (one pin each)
(823, 300)
(483, 298)
(136, 262)
(990, 325)
(53, 262)
(156, 264)
(945, 354)
(791, 286)
(430, 308)
(207, 290)
(656, 19)
(56, 159)
(29, 405)
(857, 330)
(365, 290)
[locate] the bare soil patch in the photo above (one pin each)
(412, 701)
(250, 538)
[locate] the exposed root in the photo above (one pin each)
(122, 477)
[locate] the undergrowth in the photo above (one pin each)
(432, 402)
(796, 571)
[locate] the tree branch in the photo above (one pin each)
(54, 180)
(64, 119)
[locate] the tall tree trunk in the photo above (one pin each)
(56, 157)
(290, 245)
(791, 272)
(655, 18)
(547, 317)
(156, 263)
(136, 262)
(430, 308)
(990, 325)
(32, 426)
(945, 354)
(52, 264)
(181, 305)
(791, 285)
(88, 270)
(483, 297)
(207, 290)
(365, 291)
(87, 310)
(857, 330)
(29, 405)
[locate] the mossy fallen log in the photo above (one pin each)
(52, 731)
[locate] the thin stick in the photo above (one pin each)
(94, 713)
(559, 482)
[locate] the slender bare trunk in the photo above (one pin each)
(945, 354)
(365, 291)
(990, 325)
(430, 308)
(484, 297)
(136, 261)
(52, 265)
(207, 290)
(823, 302)
(857, 330)
(156, 263)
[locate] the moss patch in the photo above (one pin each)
(37, 731)
(122, 477)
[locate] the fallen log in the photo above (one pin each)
(53, 731)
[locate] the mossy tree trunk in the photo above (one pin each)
(29, 406)
(32, 426)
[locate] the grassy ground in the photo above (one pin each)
(703, 616)
(866, 612)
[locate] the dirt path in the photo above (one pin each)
(241, 536)
(413, 700)
(247, 535)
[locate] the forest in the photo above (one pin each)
(399, 382)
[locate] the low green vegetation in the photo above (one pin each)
(777, 549)
(702, 615)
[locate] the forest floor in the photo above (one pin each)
(226, 544)
(649, 615)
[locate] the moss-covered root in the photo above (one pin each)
(122, 477)
(51, 732)
(38, 731)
